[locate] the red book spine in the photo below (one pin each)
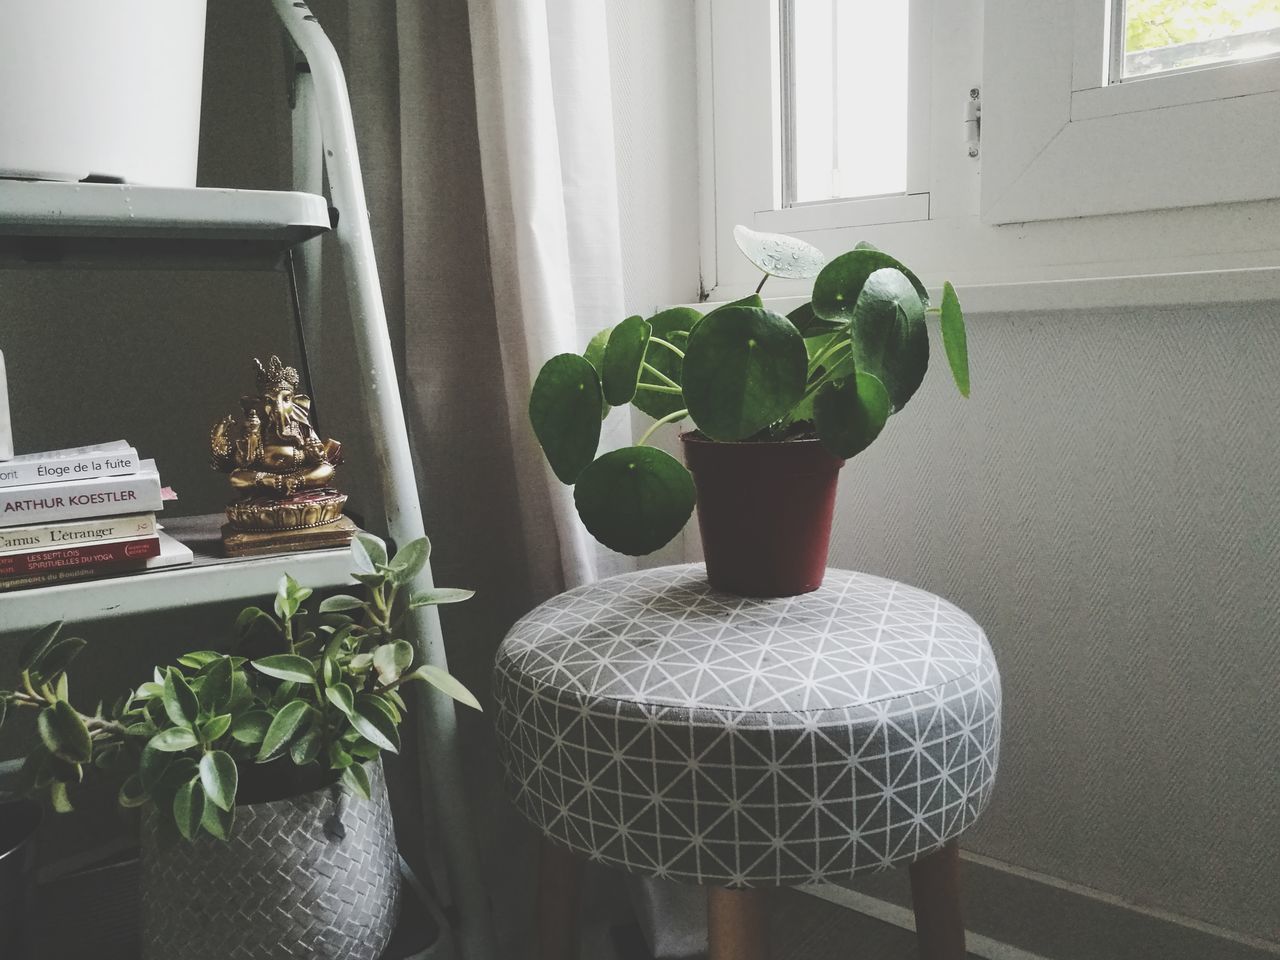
(68, 558)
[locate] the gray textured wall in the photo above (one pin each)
(1105, 505)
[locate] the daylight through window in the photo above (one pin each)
(1158, 36)
(844, 98)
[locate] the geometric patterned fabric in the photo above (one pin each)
(652, 723)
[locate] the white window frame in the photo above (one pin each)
(744, 185)
(1059, 141)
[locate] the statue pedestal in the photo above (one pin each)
(254, 543)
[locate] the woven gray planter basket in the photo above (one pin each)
(285, 885)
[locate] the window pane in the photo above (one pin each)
(846, 109)
(1162, 35)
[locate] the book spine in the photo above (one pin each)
(69, 466)
(50, 577)
(78, 533)
(66, 558)
(54, 502)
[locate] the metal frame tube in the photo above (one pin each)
(440, 761)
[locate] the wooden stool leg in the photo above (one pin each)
(559, 898)
(737, 924)
(935, 894)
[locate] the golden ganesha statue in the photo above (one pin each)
(280, 470)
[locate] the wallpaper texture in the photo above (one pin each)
(1106, 507)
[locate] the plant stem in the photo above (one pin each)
(659, 374)
(658, 389)
(826, 354)
(670, 346)
(669, 418)
(761, 284)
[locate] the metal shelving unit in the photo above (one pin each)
(123, 226)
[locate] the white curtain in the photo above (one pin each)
(545, 122)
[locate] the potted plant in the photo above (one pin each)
(777, 405)
(107, 90)
(266, 830)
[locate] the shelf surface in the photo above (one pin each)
(43, 223)
(212, 578)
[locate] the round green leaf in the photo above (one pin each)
(634, 500)
(836, 291)
(131, 793)
(623, 355)
(778, 254)
(674, 327)
(219, 777)
(564, 408)
(64, 733)
(213, 729)
(954, 338)
(744, 369)
(283, 728)
(850, 413)
(889, 336)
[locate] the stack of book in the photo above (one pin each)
(81, 514)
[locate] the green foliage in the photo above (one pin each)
(834, 369)
(1151, 24)
(327, 694)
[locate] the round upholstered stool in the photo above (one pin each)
(651, 723)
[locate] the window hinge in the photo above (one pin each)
(973, 120)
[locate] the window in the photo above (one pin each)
(1062, 139)
(1161, 36)
(844, 98)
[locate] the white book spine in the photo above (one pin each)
(76, 533)
(78, 499)
(86, 463)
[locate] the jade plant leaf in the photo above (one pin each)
(565, 411)
(836, 291)
(634, 500)
(374, 724)
(180, 701)
(623, 356)
(779, 255)
(283, 728)
(955, 340)
(671, 326)
(744, 369)
(219, 777)
(64, 733)
(287, 666)
(889, 336)
(446, 683)
(188, 807)
(35, 648)
(850, 413)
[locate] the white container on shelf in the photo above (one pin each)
(94, 88)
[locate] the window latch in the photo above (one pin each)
(973, 121)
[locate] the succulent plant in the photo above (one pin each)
(322, 700)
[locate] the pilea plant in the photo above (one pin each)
(836, 368)
(321, 700)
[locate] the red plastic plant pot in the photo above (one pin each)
(764, 511)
